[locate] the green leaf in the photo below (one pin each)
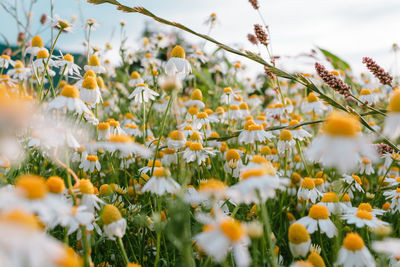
(336, 62)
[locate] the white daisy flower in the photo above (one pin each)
(90, 92)
(177, 64)
(341, 146)
(354, 253)
(94, 65)
(391, 126)
(113, 223)
(313, 104)
(69, 100)
(142, 93)
(318, 219)
(36, 46)
(307, 190)
(196, 153)
(299, 240)
(90, 164)
(161, 183)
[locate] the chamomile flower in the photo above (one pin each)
(88, 197)
(19, 71)
(75, 217)
(170, 157)
(354, 253)
(253, 133)
(307, 190)
(197, 153)
(6, 61)
(227, 96)
(235, 113)
(94, 65)
(90, 164)
(135, 79)
(69, 100)
(366, 166)
(354, 182)
(132, 129)
(90, 92)
(256, 184)
(341, 145)
(115, 128)
(299, 240)
(286, 142)
(125, 146)
(318, 219)
(142, 93)
(298, 133)
(363, 218)
(331, 201)
(67, 65)
(225, 234)
(113, 223)
(161, 183)
(42, 60)
(196, 99)
(103, 130)
(233, 163)
(36, 46)
(176, 139)
(313, 104)
(391, 126)
(177, 64)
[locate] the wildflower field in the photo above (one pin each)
(167, 156)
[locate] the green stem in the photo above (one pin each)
(161, 134)
(123, 252)
(298, 147)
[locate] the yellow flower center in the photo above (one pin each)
(232, 229)
(195, 136)
(92, 158)
(42, 54)
(110, 214)
(293, 123)
(69, 57)
(341, 124)
(142, 85)
(366, 161)
(255, 127)
(55, 184)
(253, 173)
(94, 60)
(265, 150)
(160, 172)
(308, 183)
(227, 90)
(69, 259)
(5, 57)
(248, 124)
(295, 178)
(298, 234)
(345, 198)
(33, 186)
(37, 41)
(114, 123)
(312, 98)
(120, 139)
(319, 181)
(157, 164)
(234, 107)
(330, 197)
(316, 260)
(318, 212)
(64, 24)
(353, 242)
(70, 91)
(89, 73)
(131, 126)
(18, 64)
(176, 135)
(259, 160)
(232, 154)
(196, 146)
(363, 214)
(202, 115)
(394, 103)
(105, 189)
(135, 75)
(285, 135)
(21, 218)
(243, 106)
(211, 185)
(86, 187)
(178, 51)
(193, 110)
(197, 95)
(356, 178)
(365, 206)
(365, 92)
(89, 83)
(103, 126)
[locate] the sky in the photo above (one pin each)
(350, 29)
